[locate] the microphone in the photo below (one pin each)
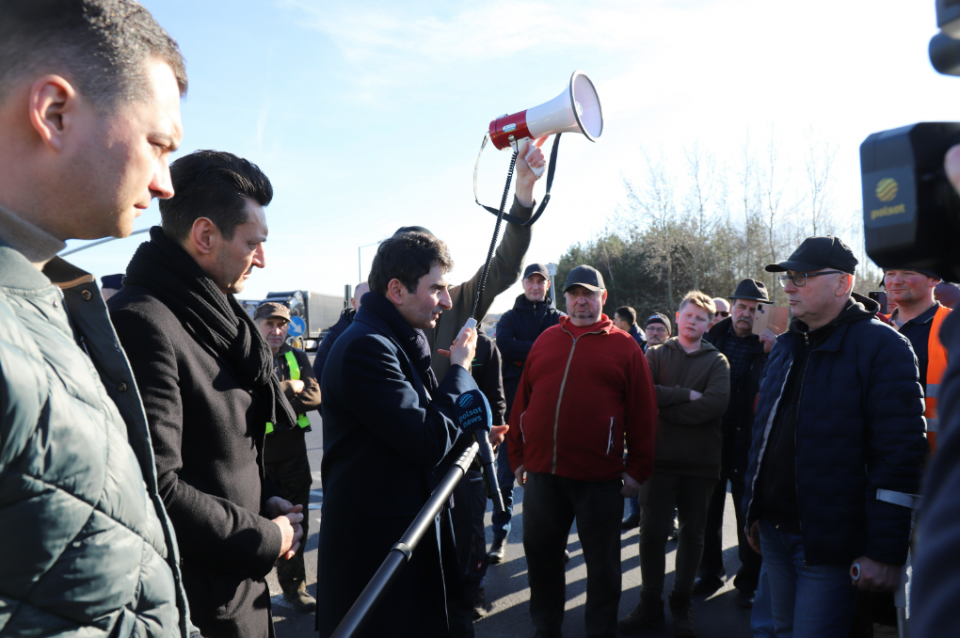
(473, 415)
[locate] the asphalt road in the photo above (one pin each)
(506, 584)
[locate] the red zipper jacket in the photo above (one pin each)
(583, 392)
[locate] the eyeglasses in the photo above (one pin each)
(724, 314)
(800, 279)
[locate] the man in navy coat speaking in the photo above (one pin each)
(387, 427)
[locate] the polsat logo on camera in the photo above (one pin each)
(887, 192)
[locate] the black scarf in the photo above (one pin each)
(215, 320)
(412, 340)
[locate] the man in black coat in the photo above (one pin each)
(206, 377)
(532, 313)
(388, 433)
(747, 355)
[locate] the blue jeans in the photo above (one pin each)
(634, 506)
(761, 617)
(505, 478)
(815, 601)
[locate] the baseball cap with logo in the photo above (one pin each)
(817, 253)
(658, 318)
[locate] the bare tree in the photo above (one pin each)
(818, 166)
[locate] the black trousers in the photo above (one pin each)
(294, 481)
(712, 563)
(550, 505)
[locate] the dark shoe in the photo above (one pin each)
(498, 551)
(630, 522)
(301, 601)
(706, 585)
(566, 556)
(681, 608)
(745, 597)
(648, 614)
(480, 604)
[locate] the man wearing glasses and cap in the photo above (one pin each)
(838, 435)
(747, 354)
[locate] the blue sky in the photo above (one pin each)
(368, 116)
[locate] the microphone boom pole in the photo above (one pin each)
(401, 553)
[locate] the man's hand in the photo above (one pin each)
(462, 350)
(876, 576)
(287, 517)
(526, 178)
(768, 337)
(521, 475)
(630, 486)
(694, 395)
(296, 385)
(753, 536)
(497, 434)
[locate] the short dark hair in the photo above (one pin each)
(215, 185)
(99, 45)
(628, 314)
(407, 256)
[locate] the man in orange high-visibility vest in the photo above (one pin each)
(918, 317)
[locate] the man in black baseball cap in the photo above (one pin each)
(819, 279)
(839, 425)
(747, 355)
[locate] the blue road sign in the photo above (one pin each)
(297, 326)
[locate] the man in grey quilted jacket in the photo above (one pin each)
(89, 113)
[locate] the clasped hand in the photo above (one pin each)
(287, 517)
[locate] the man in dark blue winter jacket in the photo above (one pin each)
(330, 336)
(532, 313)
(625, 318)
(838, 434)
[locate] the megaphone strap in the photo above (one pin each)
(513, 219)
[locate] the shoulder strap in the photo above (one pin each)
(546, 198)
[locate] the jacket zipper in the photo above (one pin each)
(610, 438)
(556, 418)
(766, 435)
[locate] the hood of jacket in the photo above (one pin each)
(604, 325)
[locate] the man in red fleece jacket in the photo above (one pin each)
(585, 388)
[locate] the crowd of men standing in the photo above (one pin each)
(153, 444)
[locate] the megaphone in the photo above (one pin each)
(575, 110)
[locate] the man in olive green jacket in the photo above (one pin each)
(505, 267)
(692, 381)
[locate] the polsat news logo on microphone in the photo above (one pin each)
(469, 416)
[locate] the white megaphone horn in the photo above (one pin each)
(575, 110)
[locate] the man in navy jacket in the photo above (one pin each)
(388, 426)
(532, 313)
(838, 433)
